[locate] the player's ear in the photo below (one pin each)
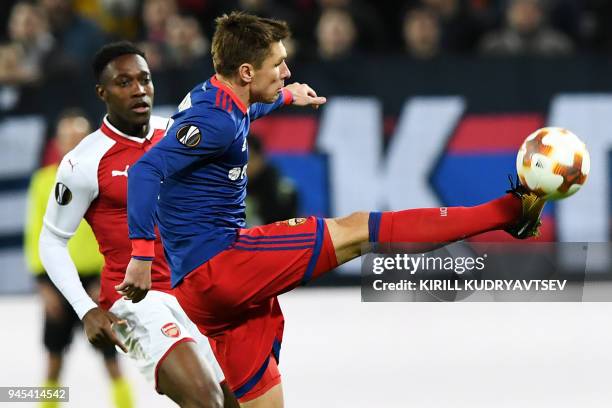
(246, 72)
(101, 92)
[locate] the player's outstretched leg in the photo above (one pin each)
(184, 379)
(517, 212)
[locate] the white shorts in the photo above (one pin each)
(154, 326)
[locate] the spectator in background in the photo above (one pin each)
(270, 197)
(5, 12)
(366, 18)
(12, 72)
(60, 318)
(31, 45)
(77, 36)
(275, 10)
(118, 18)
(593, 26)
(155, 16)
(262, 8)
(460, 29)
(336, 34)
(185, 44)
(421, 33)
(526, 33)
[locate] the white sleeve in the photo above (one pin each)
(68, 202)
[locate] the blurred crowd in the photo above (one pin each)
(45, 37)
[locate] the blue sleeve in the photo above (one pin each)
(189, 140)
(258, 109)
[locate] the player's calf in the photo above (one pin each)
(429, 226)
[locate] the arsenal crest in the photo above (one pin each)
(171, 330)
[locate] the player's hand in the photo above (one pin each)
(303, 95)
(98, 324)
(137, 281)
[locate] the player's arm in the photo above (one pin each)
(189, 141)
(67, 204)
(293, 94)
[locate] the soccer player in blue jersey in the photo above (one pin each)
(227, 278)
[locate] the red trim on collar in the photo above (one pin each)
(121, 139)
(215, 82)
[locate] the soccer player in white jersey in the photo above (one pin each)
(91, 183)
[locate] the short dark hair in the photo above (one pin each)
(109, 52)
(244, 38)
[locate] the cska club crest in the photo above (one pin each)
(292, 222)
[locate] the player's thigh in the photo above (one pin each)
(183, 378)
(271, 399)
(269, 260)
(154, 329)
(348, 234)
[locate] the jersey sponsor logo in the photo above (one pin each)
(116, 173)
(171, 330)
(237, 173)
(63, 195)
(189, 136)
(234, 173)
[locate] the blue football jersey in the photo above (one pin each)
(192, 184)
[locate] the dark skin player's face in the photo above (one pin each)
(126, 88)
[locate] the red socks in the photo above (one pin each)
(444, 224)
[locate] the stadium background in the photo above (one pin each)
(432, 120)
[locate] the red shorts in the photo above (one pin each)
(232, 297)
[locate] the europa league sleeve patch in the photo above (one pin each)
(63, 195)
(189, 136)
